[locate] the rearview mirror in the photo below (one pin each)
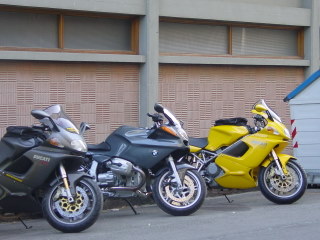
(158, 108)
(84, 127)
(39, 114)
(260, 108)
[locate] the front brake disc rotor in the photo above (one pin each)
(284, 185)
(187, 184)
(67, 209)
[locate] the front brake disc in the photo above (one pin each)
(67, 209)
(187, 184)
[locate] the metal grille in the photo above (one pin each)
(104, 95)
(199, 95)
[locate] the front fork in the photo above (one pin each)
(282, 169)
(179, 170)
(66, 184)
(174, 170)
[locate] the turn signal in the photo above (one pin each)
(55, 142)
(273, 130)
(169, 130)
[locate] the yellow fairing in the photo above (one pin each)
(194, 149)
(236, 175)
(241, 171)
(224, 135)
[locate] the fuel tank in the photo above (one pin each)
(224, 135)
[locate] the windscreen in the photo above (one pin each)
(171, 117)
(61, 118)
(271, 112)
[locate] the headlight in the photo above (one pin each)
(79, 145)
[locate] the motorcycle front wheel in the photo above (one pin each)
(283, 191)
(78, 215)
(179, 201)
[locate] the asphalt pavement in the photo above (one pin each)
(248, 217)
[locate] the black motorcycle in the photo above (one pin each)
(38, 165)
(137, 162)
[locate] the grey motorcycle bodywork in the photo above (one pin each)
(28, 165)
(139, 147)
(40, 161)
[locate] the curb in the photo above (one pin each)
(110, 203)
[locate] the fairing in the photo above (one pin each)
(133, 144)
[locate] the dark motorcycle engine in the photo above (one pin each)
(213, 170)
(210, 173)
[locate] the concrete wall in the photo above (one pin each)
(304, 13)
(235, 11)
(312, 37)
(284, 3)
(136, 7)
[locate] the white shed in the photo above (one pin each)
(304, 104)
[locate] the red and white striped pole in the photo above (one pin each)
(294, 134)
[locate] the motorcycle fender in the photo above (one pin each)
(184, 166)
(283, 158)
(179, 167)
(73, 177)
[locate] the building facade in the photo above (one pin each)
(108, 61)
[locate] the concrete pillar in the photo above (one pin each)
(312, 37)
(149, 47)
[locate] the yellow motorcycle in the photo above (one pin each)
(235, 155)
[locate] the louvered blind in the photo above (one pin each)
(20, 29)
(267, 42)
(97, 33)
(192, 38)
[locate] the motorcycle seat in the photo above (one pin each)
(198, 142)
(99, 147)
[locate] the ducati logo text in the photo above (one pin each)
(44, 160)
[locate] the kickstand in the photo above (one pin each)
(135, 212)
(230, 201)
(24, 223)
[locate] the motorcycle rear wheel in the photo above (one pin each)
(73, 217)
(179, 202)
(283, 191)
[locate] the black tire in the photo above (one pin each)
(283, 191)
(181, 202)
(75, 217)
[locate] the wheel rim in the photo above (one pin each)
(283, 188)
(184, 197)
(75, 212)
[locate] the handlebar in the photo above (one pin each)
(40, 127)
(156, 117)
